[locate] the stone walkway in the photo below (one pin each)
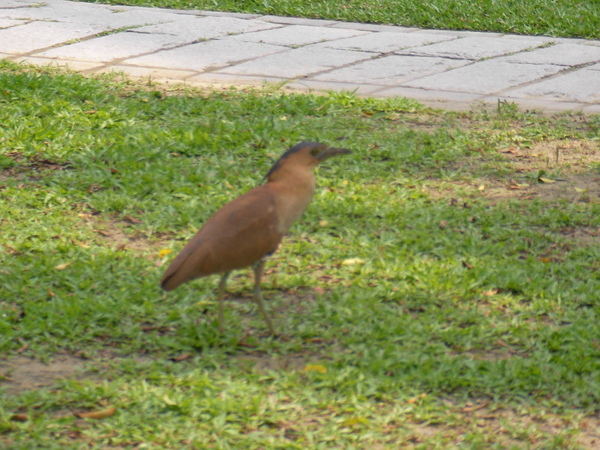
(448, 69)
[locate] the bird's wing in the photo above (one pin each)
(241, 233)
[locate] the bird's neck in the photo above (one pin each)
(293, 192)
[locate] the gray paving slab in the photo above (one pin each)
(297, 62)
(5, 23)
(387, 41)
(115, 47)
(41, 35)
(444, 68)
(206, 55)
(297, 35)
(102, 16)
(391, 70)
(476, 47)
(6, 4)
(561, 54)
(206, 27)
(485, 77)
(581, 85)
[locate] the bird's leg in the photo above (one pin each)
(220, 295)
(258, 270)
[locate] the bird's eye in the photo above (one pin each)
(314, 151)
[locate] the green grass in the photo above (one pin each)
(534, 17)
(472, 321)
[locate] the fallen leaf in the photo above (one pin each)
(323, 223)
(481, 187)
(353, 421)
(580, 190)
(315, 368)
(102, 414)
(545, 180)
(490, 293)
(63, 266)
(164, 252)
(182, 357)
(19, 418)
(467, 265)
(352, 261)
(443, 224)
(132, 220)
(169, 402)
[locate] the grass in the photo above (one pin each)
(434, 295)
(534, 17)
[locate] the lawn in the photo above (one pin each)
(532, 17)
(441, 290)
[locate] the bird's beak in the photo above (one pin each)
(331, 152)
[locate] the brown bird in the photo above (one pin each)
(248, 229)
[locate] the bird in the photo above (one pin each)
(248, 229)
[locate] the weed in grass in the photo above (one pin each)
(436, 294)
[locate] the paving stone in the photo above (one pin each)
(390, 70)
(5, 23)
(591, 109)
(158, 75)
(115, 46)
(216, 78)
(536, 104)
(9, 4)
(206, 27)
(562, 54)
(582, 85)
(230, 14)
(297, 62)
(298, 21)
(371, 27)
(297, 35)
(476, 47)
(321, 86)
(456, 101)
(205, 55)
(485, 77)
(105, 17)
(39, 35)
(386, 41)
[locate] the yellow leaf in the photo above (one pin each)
(581, 191)
(481, 187)
(323, 223)
(353, 421)
(164, 252)
(352, 261)
(545, 180)
(63, 266)
(315, 368)
(168, 401)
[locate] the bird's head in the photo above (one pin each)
(305, 155)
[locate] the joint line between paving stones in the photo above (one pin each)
(561, 72)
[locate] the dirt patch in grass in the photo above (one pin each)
(556, 170)
(116, 233)
(19, 167)
(24, 374)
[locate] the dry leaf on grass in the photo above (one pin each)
(102, 414)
